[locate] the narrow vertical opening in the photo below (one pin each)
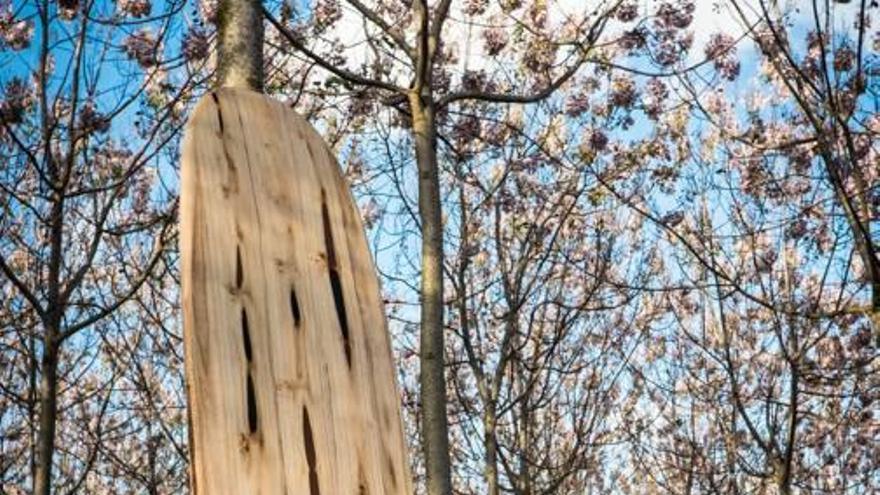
(294, 308)
(251, 404)
(311, 455)
(239, 270)
(246, 336)
(335, 281)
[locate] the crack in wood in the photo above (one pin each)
(246, 336)
(294, 308)
(335, 281)
(251, 405)
(311, 455)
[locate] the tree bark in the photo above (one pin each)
(240, 44)
(435, 437)
(490, 444)
(47, 415)
(51, 346)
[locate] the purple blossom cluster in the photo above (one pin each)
(15, 34)
(633, 40)
(135, 8)
(326, 13)
(475, 7)
(576, 104)
(622, 92)
(844, 59)
(627, 11)
(769, 41)
(208, 10)
(195, 45)
(721, 49)
(597, 139)
(495, 39)
(142, 47)
(539, 55)
(467, 129)
(91, 121)
(538, 14)
(67, 9)
(18, 98)
(474, 80)
(670, 22)
(655, 94)
(675, 15)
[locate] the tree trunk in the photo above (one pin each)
(240, 44)
(47, 414)
(490, 444)
(51, 344)
(435, 437)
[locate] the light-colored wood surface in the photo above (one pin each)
(290, 378)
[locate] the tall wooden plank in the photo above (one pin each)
(290, 377)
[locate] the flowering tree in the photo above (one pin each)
(414, 67)
(643, 260)
(95, 93)
(766, 375)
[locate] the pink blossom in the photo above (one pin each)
(719, 45)
(597, 140)
(67, 9)
(721, 50)
(142, 47)
(577, 104)
(16, 34)
(769, 41)
(633, 40)
(475, 7)
(195, 45)
(627, 11)
(656, 93)
(678, 14)
(90, 120)
(495, 39)
(135, 8)
(623, 91)
(474, 80)
(539, 55)
(844, 59)
(370, 213)
(326, 13)
(538, 14)
(208, 10)
(18, 99)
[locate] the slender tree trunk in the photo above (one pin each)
(490, 444)
(435, 437)
(51, 345)
(48, 415)
(524, 436)
(240, 44)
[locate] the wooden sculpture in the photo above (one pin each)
(289, 371)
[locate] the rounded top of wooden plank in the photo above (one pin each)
(290, 376)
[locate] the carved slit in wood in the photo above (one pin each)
(239, 270)
(246, 336)
(311, 455)
(219, 111)
(294, 308)
(251, 404)
(335, 281)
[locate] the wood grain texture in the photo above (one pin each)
(290, 378)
